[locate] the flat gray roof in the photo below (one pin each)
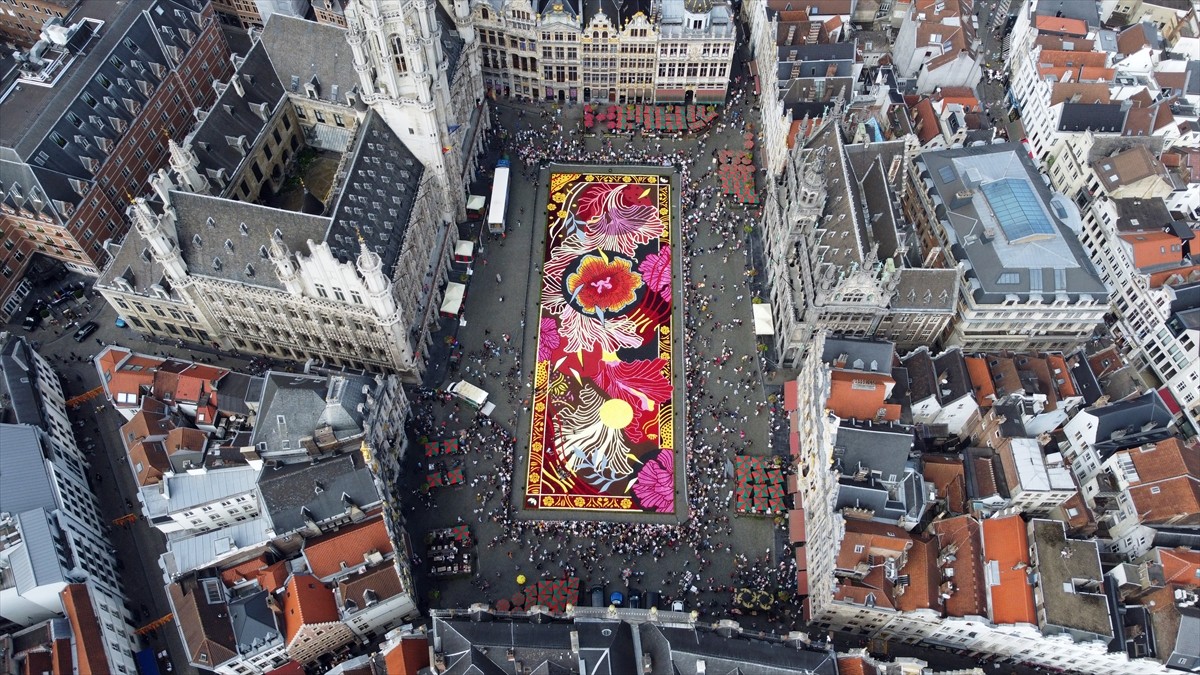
(1001, 218)
(1064, 566)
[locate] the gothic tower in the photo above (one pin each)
(382, 301)
(187, 167)
(403, 74)
(159, 231)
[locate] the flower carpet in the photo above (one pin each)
(602, 436)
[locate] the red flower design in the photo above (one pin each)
(604, 284)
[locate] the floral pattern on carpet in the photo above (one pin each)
(602, 437)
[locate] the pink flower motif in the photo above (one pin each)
(655, 487)
(656, 272)
(549, 340)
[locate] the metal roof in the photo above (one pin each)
(24, 478)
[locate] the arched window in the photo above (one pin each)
(398, 53)
(483, 13)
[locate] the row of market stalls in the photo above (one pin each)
(650, 119)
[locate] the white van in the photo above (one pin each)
(474, 396)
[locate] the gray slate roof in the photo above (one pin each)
(18, 380)
(36, 563)
(741, 655)
(926, 289)
(285, 491)
(878, 448)
(253, 620)
(132, 33)
(206, 223)
(859, 350)
(305, 50)
(308, 402)
(1099, 117)
(378, 195)
(235, 115)
(1130, 416)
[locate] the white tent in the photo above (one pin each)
(464, 250)
(452, 302)
(764, 324)
(476, 202)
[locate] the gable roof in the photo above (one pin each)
(204, 625)
(964, 533)
(307, 602)
(85, 625)
(1006, 556)
(382, 581)
(407, 656)
(327, 553)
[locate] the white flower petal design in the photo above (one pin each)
(584, 333)
(590, 444)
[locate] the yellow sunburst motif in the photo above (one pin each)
(579, 502)
(547, 501)
(616, 414)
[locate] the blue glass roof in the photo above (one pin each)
(1018, 209)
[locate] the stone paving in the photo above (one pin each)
(707, 552)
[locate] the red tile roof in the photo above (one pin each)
(925, 122)
(860, 396)
(846, 665)
(1061, 24)
(950, 478)
(307, 602)
(89, 642)
(1152, 248)
(63, 657)
(325, 554)
(923, 577)
(1006, 544)
(407, 657)
(1168, 486)
(966, 536)
(981, 380)
(1180, 565)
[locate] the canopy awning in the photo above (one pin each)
(452, 301)
(464, 250)
(791, 395)
(801, 558)
(710, 95)
(796, 532)
(476, 202)
(754, 74)
(763, 321)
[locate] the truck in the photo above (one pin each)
(499, 207)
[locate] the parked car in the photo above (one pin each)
(677, 606)
(85, 330)
(597, 594)
(617, 599)
(34, 318)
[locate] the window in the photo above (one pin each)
(321, 290)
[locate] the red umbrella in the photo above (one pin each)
(503, 605)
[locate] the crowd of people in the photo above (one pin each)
(727, 406)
